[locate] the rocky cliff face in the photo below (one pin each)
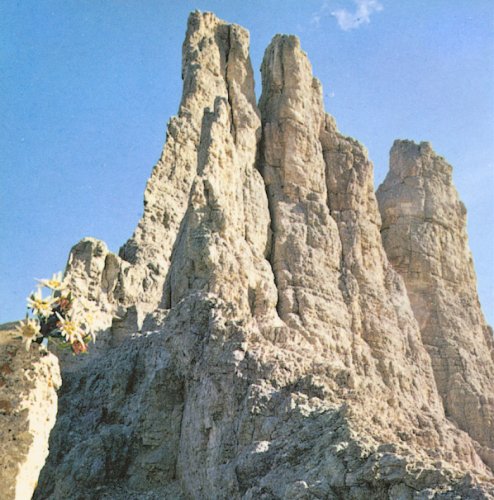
(424, 234)
(28, 407)
(264, 345)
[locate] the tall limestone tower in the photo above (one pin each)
(257, 339)
(424, 235)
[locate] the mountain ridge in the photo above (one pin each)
(255, 341)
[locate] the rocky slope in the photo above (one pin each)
(258, 342)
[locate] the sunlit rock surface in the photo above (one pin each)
(424, 234)
(258, 342)
(28, 407)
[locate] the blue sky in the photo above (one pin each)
(87, 89)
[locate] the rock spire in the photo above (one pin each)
(265, 347)
(424, 235)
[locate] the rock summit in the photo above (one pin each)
(273, 329)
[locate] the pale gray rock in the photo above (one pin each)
(424, 234)
(28, 407)
(326, 227)
(261, 346)
(216, 65)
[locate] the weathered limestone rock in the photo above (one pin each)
(264, 347)
(306, 247)
(215, 65)
(28, 407)
(424, 234)
(334, 281)
(225, 234)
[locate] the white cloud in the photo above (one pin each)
(351, 20)
(322, 12)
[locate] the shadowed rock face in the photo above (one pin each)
(424, 234)
(279, 356)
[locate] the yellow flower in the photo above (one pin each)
(90, 326)
(39, 305)
(29, 330)
(86, 311)
(71, 329)
(55, 283)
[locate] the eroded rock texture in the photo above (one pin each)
(424, 234)
(333, 277)
(268, 349)
(28, 407)
(216, 66)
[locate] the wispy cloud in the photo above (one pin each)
(324, 11)
(350, 20)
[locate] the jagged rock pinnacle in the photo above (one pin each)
(261, 343)
(424, 234)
